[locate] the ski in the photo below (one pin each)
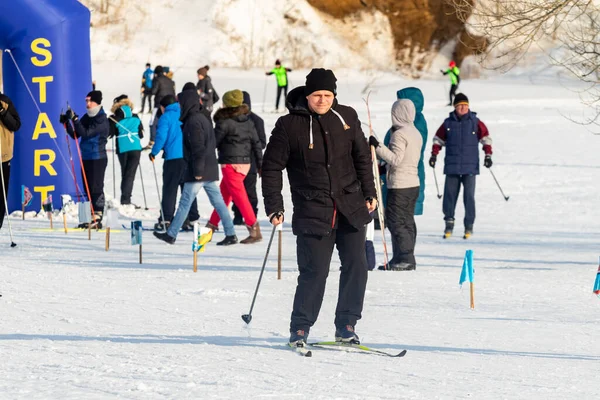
(301, 350)
(148, 229)
(355, 346)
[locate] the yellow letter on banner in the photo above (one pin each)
(38, 163)
(44, 190)
(43, 125)
(46, 54)
(42, 80)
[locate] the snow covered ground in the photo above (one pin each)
(79, 322)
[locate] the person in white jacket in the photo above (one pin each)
(402, 157)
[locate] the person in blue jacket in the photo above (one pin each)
(416, 96)
(128, 129)
(147, 88)
(93, 130)
(169, 139)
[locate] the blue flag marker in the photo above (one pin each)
(597, 283)
(466, 275)
(136, 232)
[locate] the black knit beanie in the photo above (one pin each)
(320, 79)
(460, 99)
(168, 100)
(189, 86)
(95, 96)
(119, 98)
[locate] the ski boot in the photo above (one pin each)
(165, 237)
(229, 240)
(468, 232)
(160, 227)
(449, 228)
(187, 226)
(96, 221)
(346, 334)
(403, 267)
(298, 338)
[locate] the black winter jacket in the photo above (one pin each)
(236, 136)
(198, 140)
(208, 94)
(259, 124)
(162, 85)
(329, 169)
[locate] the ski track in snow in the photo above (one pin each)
(80, 322)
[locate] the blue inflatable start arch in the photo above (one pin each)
(46, 62)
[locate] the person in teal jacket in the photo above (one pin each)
(454, 74)
(280, 73)
(128, 129)
(416, 96)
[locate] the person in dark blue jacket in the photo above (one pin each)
(169, 140)
(461, 133)
(93, 130)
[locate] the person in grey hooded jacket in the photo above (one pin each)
(402, 157)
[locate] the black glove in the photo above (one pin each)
(432, 161)
(151, 157)
(277, 215)
(63, 119)
(373, 141)
(488, 161)
(70, 114)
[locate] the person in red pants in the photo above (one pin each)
(236, 140)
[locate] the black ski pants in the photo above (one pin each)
(250, 185)
(280, 89)
(451, 192)
(453, 88)
(6, 172)
(400, 220)
(147, 95)
(94, 172)
(129, 164)
(314, 259)
(173, 172)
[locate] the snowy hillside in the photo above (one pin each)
(236, 33)
(79, 322)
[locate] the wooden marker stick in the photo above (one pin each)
(107, 246)
(472, 295)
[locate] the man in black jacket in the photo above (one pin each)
(202, 168)
(250, 179)
(10, 122)
(162, 86)
(325, 152)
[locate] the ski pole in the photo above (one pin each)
(380, 206)
(113, 168)
(494, 176)
(436, 185)
(143, 188)
(265, 92)
(248, 317)
(162, 214)
(12, 242)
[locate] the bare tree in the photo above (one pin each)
(568, 31)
